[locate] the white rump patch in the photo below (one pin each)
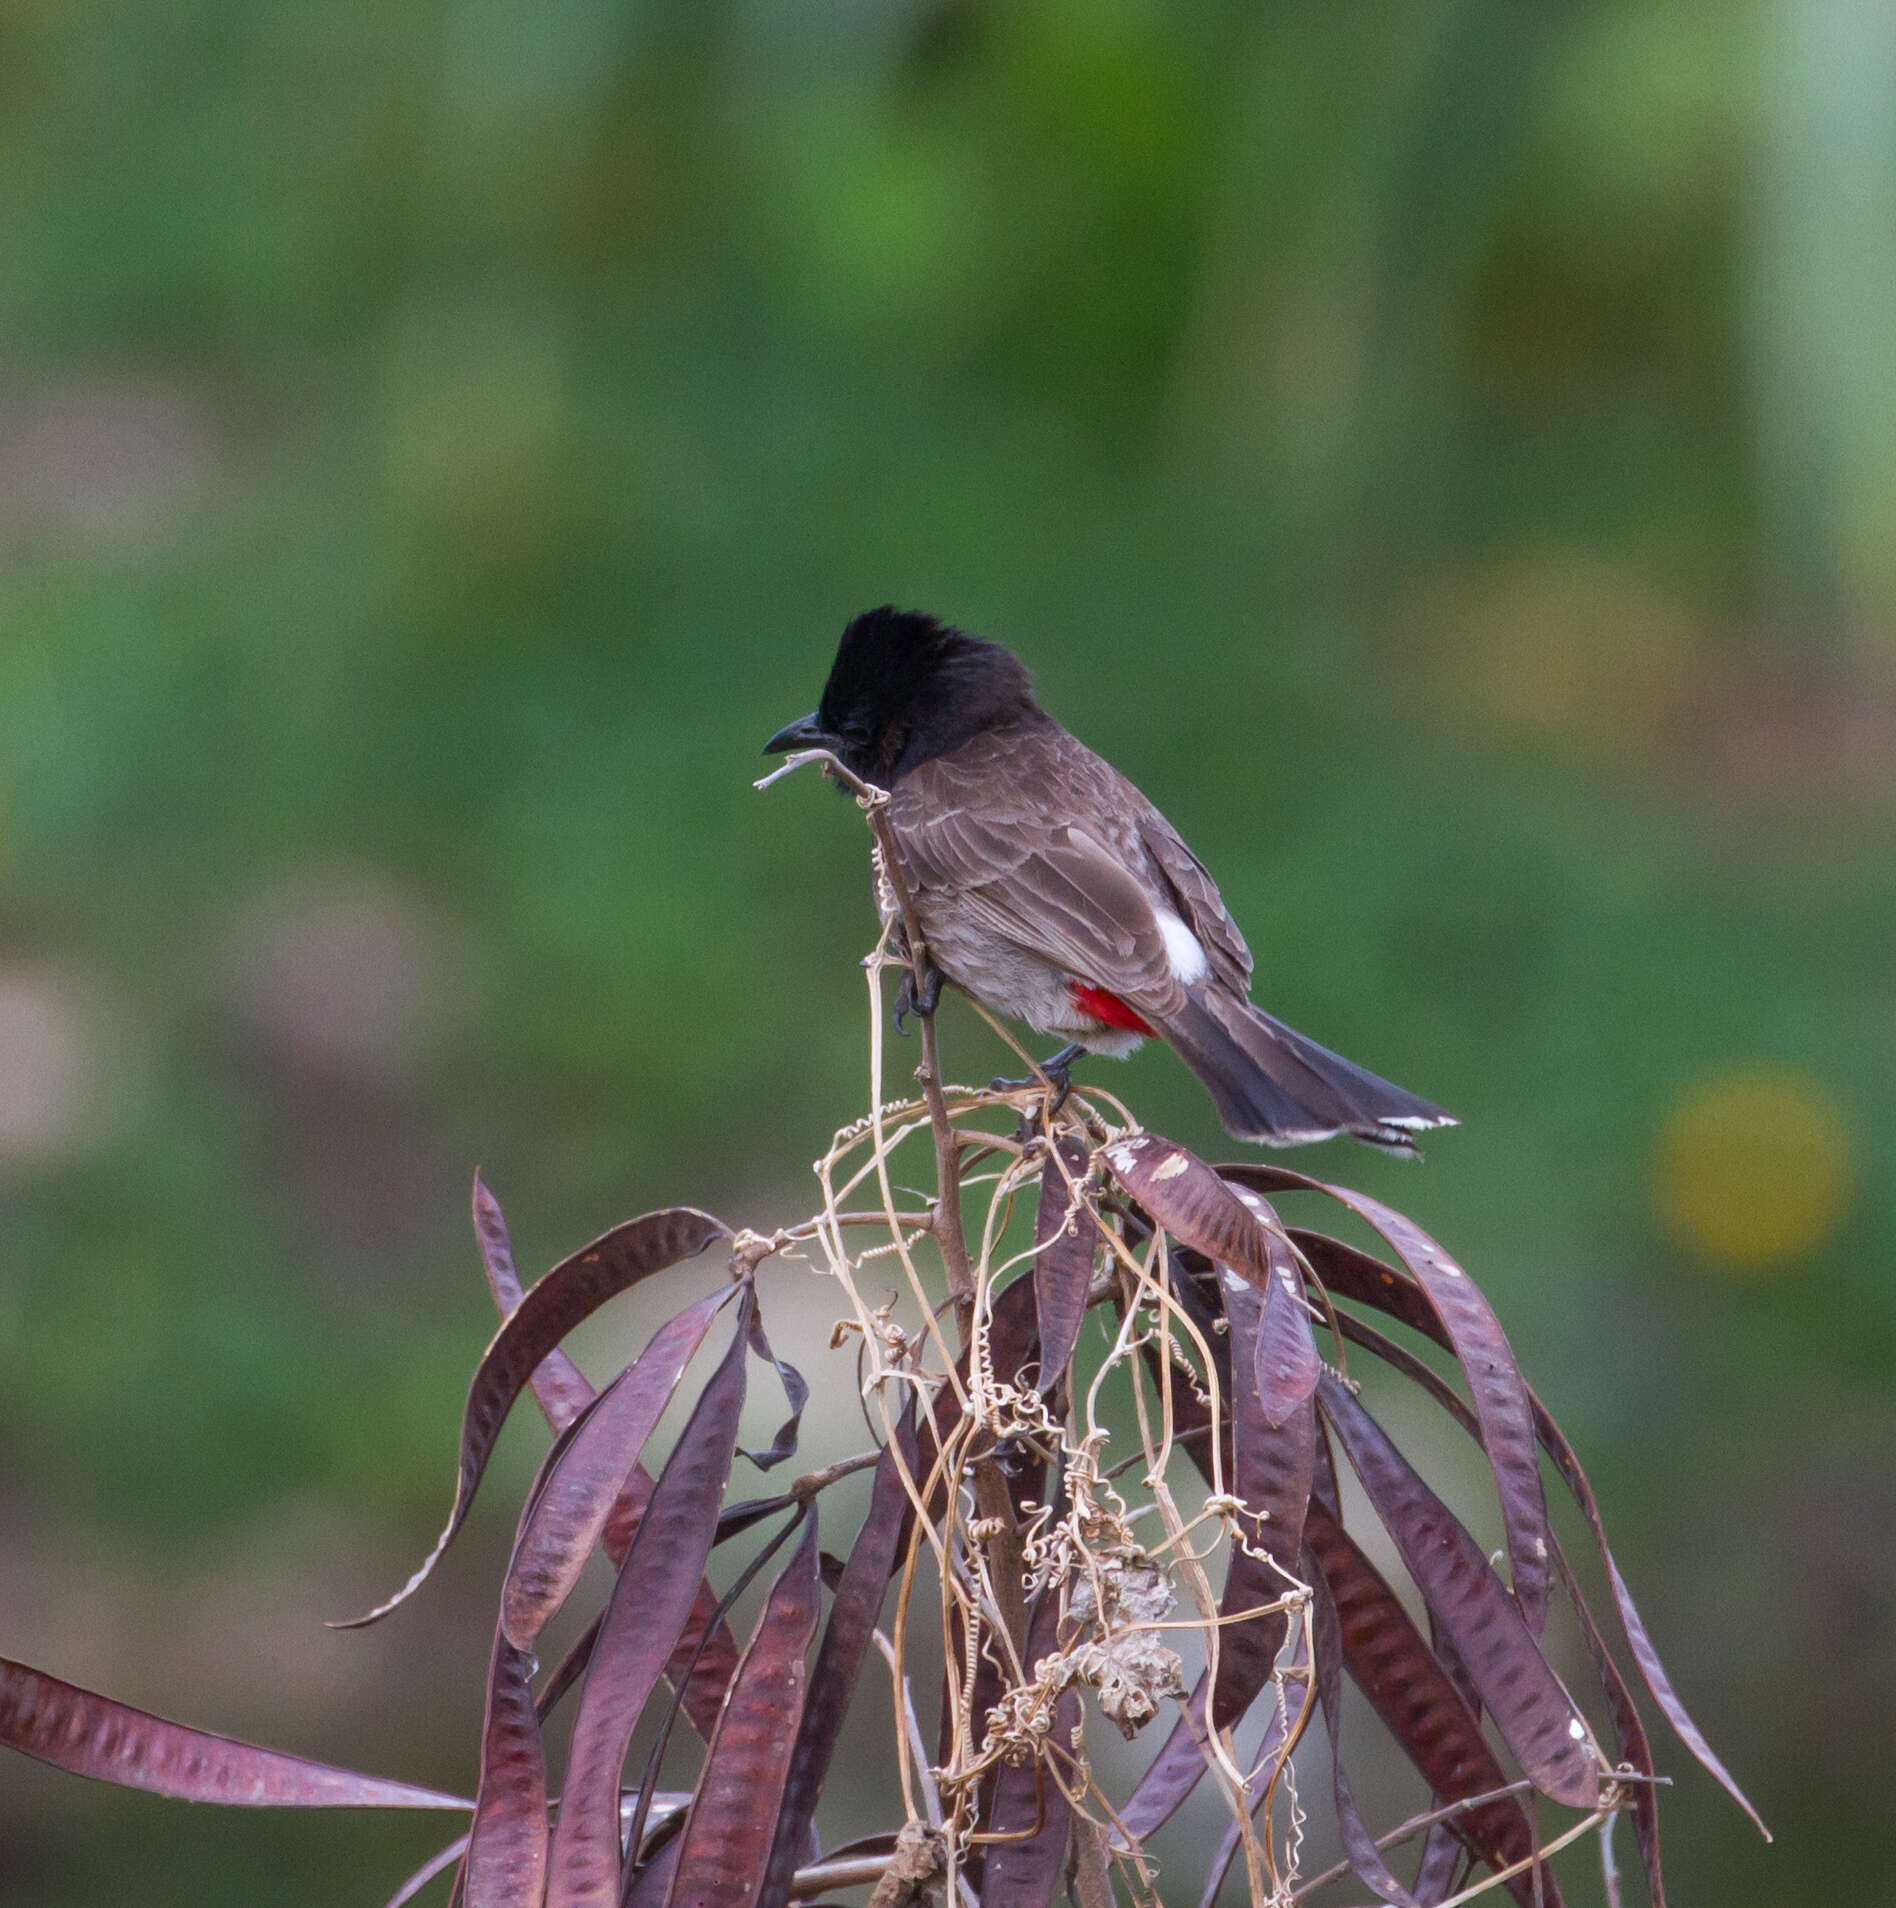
(1183, 955)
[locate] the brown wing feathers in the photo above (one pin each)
(978, 831)
(1201, 907)
(1030, 836)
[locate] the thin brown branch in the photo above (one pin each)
(949, 1236)
(807, 1486)
(851, 1872)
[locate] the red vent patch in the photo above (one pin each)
(1108, 1009)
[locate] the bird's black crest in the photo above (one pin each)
(905, 688)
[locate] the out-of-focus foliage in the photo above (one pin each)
(1446, 454)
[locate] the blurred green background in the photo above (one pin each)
(1445, 453)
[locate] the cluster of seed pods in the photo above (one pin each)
(1131, 1228)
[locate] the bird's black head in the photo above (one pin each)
(904, 689)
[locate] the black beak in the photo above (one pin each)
(806, 732)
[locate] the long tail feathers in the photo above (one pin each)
(1274, 1086)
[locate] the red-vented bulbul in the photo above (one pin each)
(1050, 889)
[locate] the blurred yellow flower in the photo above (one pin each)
(1753, 1169)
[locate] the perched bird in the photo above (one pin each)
(1050, 889)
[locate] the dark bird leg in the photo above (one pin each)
(922, 1002)
(1058, 1068)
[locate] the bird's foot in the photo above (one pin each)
(1055, 1071)
(921, 1002)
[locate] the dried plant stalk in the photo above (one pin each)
(1063, 1517)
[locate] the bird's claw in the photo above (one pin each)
(1056, 1072)
(910, 1000)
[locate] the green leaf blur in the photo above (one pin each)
(1445, 454)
